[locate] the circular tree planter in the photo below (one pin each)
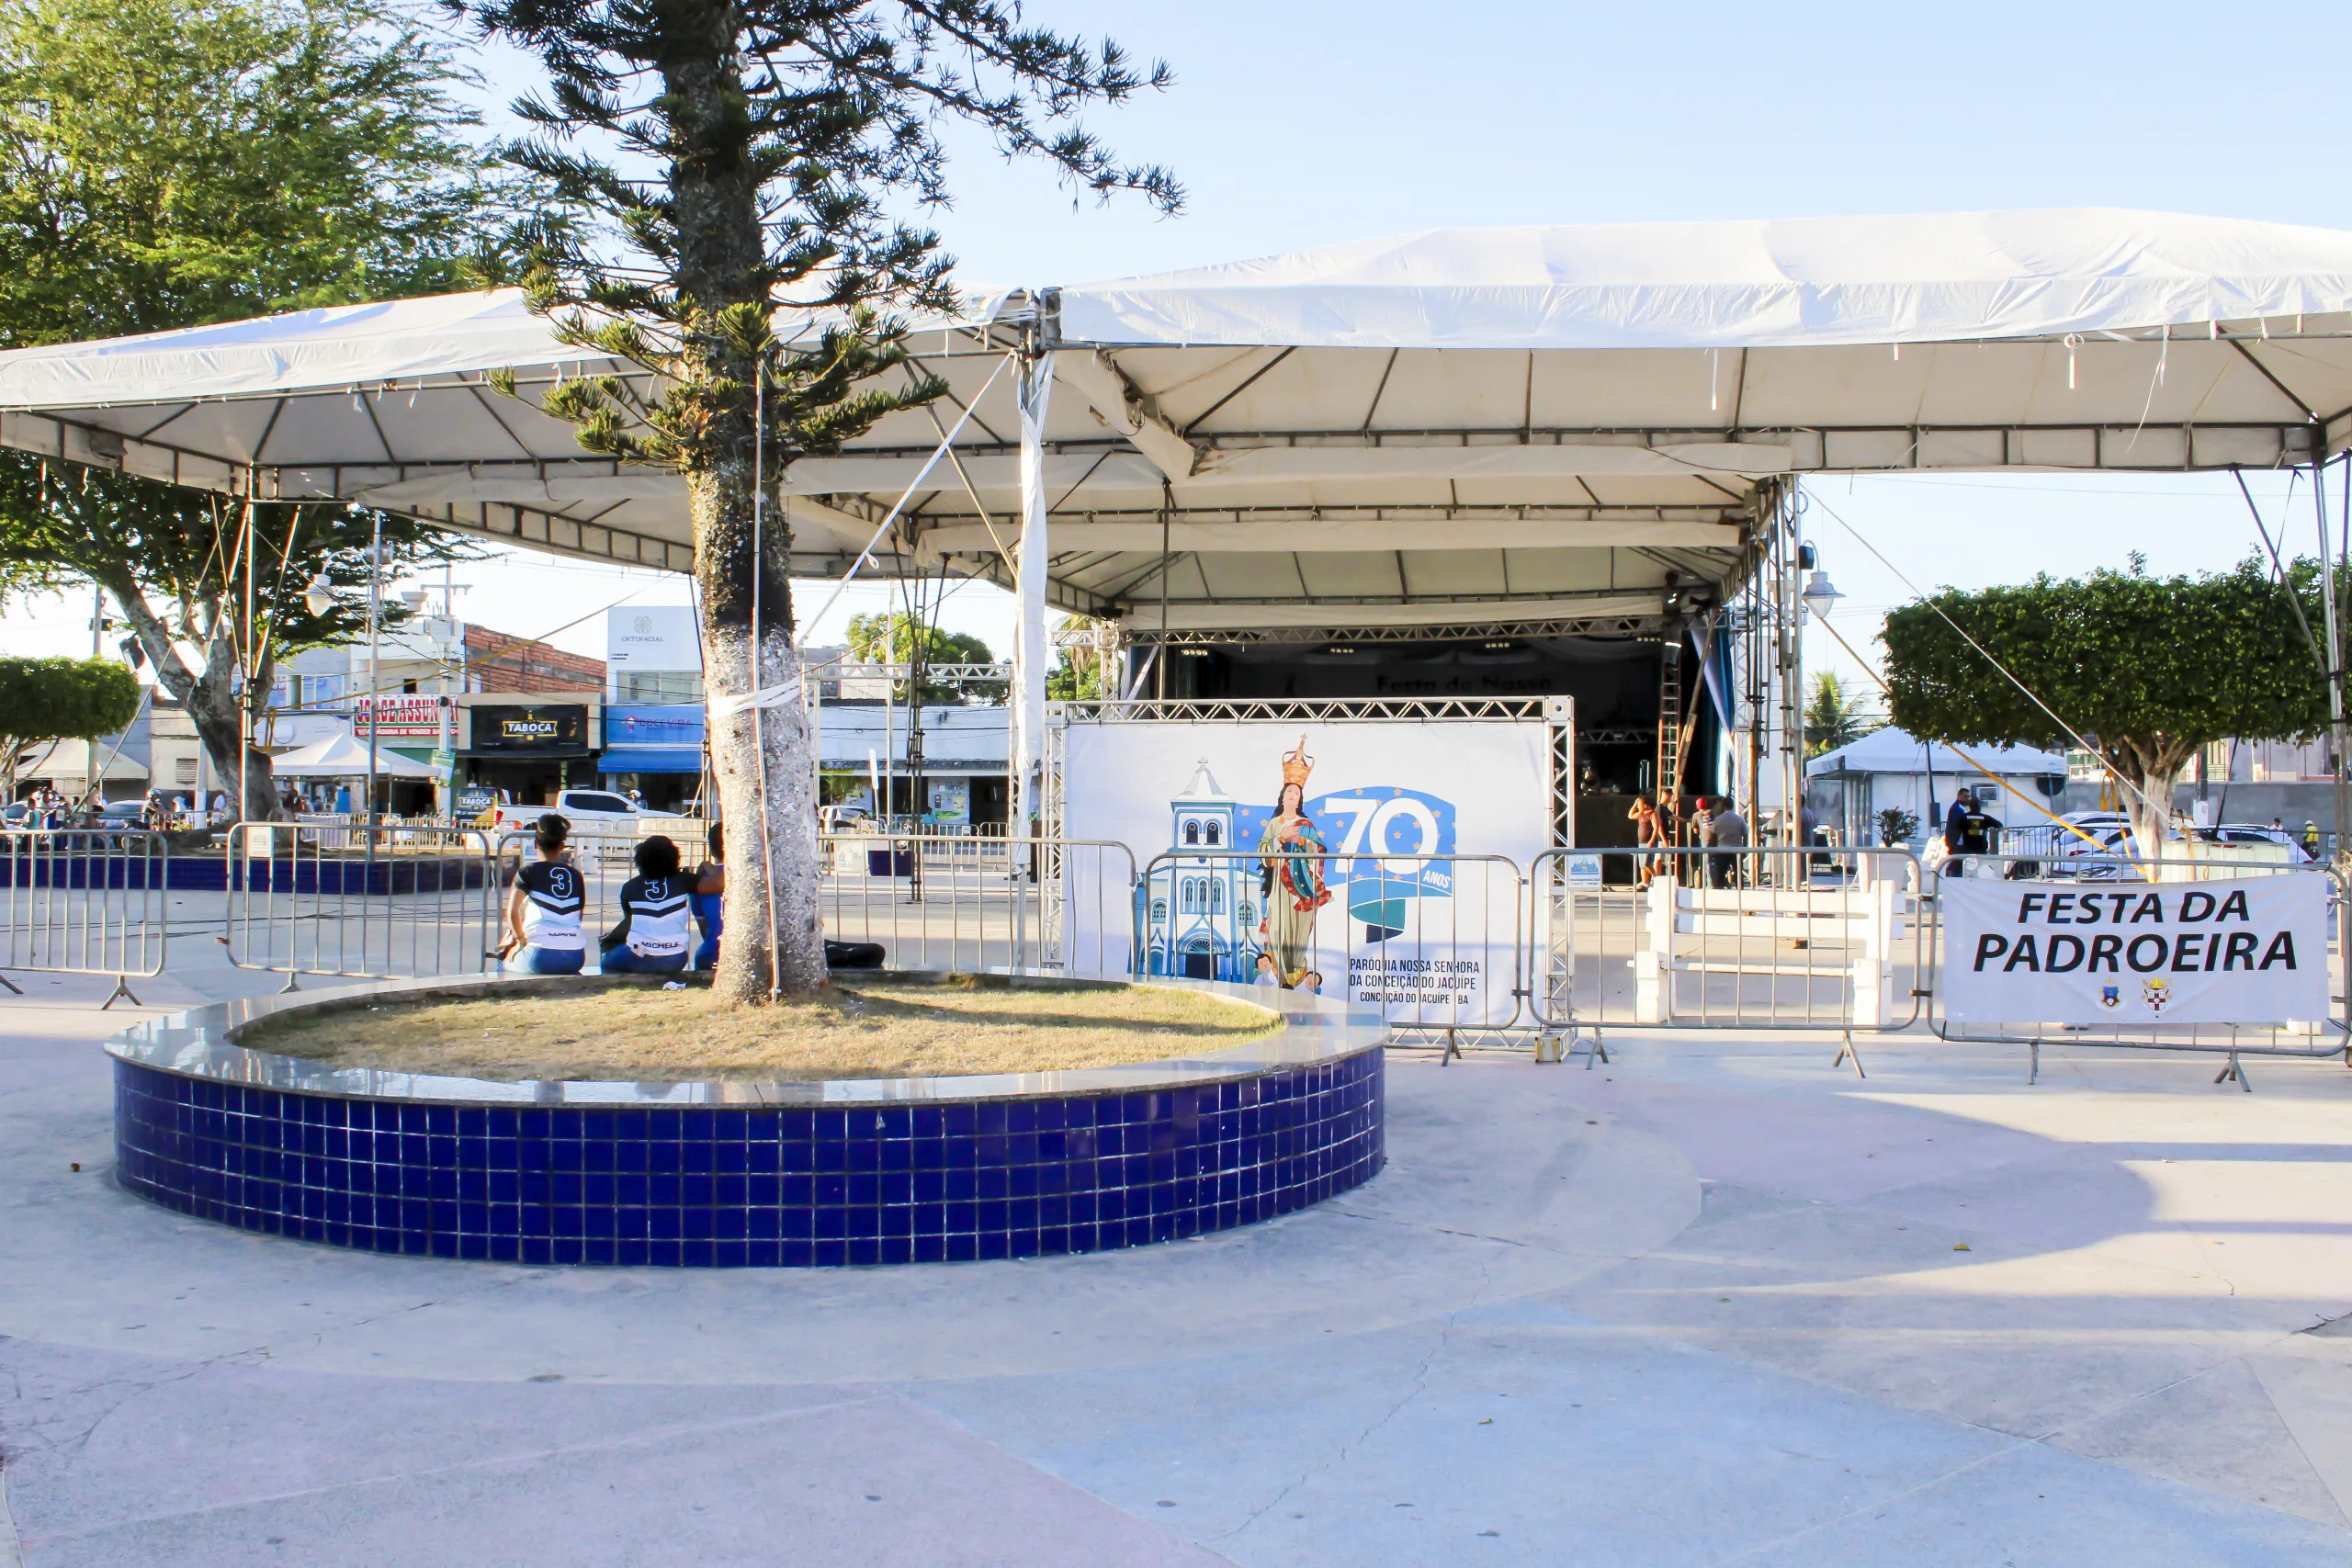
(728, 1173)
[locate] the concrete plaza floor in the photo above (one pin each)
(1714, 1302)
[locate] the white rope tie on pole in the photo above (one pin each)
(766, 697)
(908, 494)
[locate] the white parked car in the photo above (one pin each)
(601, 815)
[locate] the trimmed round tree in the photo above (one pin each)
(2146, 669)
(47, 700)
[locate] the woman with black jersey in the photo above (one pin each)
(656, 932)
(543, 912)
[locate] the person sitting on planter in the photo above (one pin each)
(710, 898)
(710, 903)
(656, 932)
(543, 912)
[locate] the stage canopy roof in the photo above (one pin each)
(1523, 428)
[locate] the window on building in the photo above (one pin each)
(659, 687)
(408, 688)
(1212, 830)
(1216, 887)
(1191, 832)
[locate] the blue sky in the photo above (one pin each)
(1301, 124)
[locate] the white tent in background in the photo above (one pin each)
(342, 756)
(1892, 768)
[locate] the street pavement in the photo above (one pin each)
(1714, 1302)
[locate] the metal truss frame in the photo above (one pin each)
(1595, 626)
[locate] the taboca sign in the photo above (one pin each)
(2250, 951)
(399, 715)
(553, 728)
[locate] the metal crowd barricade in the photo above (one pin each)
(1773, 938)
(83, 901)
(981, 901)
(962, 902)
(359, 901)
(1432, 942)
(2109, 873)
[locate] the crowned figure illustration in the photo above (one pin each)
(1291, 852)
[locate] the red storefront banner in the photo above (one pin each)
(398, 716)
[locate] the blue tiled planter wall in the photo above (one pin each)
(756, 1186)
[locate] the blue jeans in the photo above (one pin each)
(708, 908)
(546, 961)
(621, 960)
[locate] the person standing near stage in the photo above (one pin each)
(1730, 829)
(1291, 854)
(1647, 835)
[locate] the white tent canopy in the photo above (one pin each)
(1531, 427)
(342, 756)
(1898, 751)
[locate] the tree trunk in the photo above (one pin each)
(213, 701)
(767, 802)
(765, 772)
(2153, 772)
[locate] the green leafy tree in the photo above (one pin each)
(749, 157)
(46, 700)
(892, 638)
(2148, 669)
(1834, 716)
(174, 162)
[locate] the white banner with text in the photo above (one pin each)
(2252, 950)
(1343, 856)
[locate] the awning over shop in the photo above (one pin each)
(651, 759)
(653, 739)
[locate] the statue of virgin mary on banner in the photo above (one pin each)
(1292, 852)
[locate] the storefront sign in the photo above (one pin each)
(1409, 921)
(2251, 951)
(391, 715)
(563, 728)
(655, 639)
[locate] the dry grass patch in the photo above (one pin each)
(882, 1027)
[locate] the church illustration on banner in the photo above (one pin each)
(1203, 920)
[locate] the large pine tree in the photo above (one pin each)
(742, 158)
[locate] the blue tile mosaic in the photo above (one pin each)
(759, 1186)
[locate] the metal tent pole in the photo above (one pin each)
(2327, 577)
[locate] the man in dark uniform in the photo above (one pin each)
(1969, 829)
